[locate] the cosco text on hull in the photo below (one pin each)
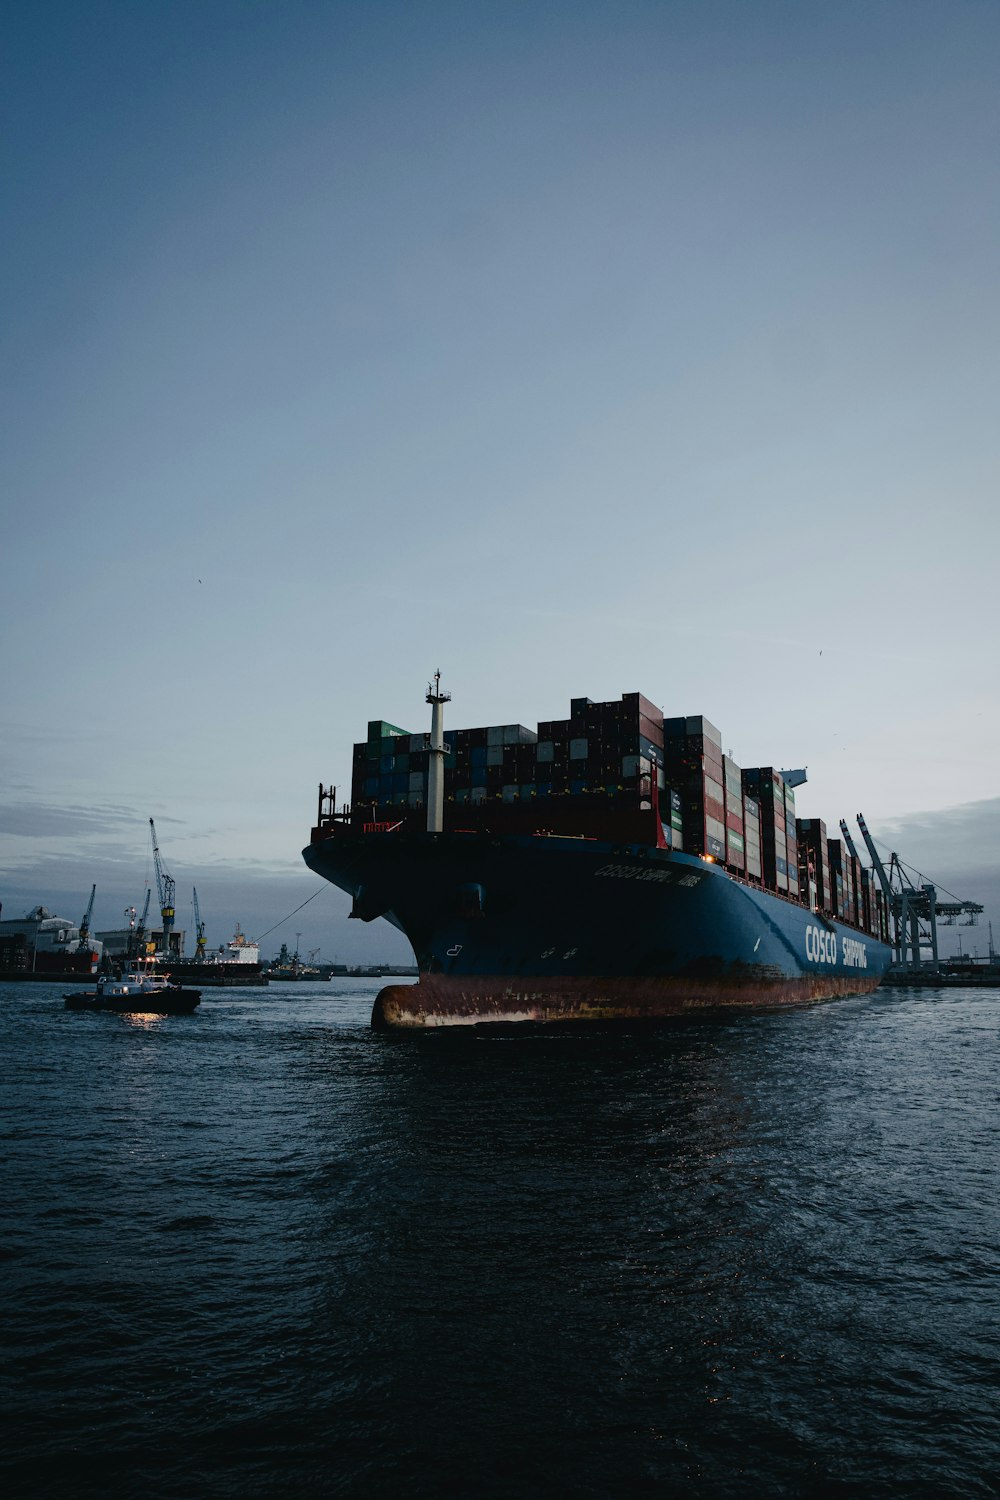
(822, 947)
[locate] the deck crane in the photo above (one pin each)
(165, 886)
(914, 908)
(85, 920)
(199, 927)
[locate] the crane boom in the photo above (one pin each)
(85, 919)
(165, 887)
(199, 927)
(852, 851)
(876, 861)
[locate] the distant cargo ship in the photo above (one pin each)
(239, 950)
(615, 864)
(236, 963)
(45, 945)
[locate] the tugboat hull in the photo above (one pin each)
(164, 1003)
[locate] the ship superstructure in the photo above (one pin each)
(239, 950)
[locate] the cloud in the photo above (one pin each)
(116, 866)
(40, 820)
(956, 843)
(37, 837)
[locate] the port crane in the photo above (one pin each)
(199, 927)
(140, 931)
(915, 909)
(85, 920)
(136, 931)
(165, 887)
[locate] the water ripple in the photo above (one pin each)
(265, 1250)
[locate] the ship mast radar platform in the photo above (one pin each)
(435, 772)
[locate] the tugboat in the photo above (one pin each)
(136, 992)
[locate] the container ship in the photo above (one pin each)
(615, 864)
(234, 964)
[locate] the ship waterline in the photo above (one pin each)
(450, 1002)
(549, 929)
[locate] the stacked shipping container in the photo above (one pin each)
(751, 822)
(382, 765)
(625, 755)
(814, 863)
(764, 785)
(732, 785)
(791, 842)
(694, 767)
(857, 870)
(840, 879)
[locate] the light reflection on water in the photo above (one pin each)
(262, 1248)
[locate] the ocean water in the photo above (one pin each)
(264, 1250)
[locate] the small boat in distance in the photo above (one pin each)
(137, 992)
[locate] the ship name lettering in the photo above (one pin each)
(855, 954)
(633, 872)
(821, 946)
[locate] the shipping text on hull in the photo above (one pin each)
(612, 864)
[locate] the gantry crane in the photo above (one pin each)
(914, 908)
(165, 887)
(199, 928)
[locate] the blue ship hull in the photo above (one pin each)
(556, 929)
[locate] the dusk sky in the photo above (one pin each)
(570, 348)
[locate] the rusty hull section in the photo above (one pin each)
(474, 1000)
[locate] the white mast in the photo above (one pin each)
(435, 773)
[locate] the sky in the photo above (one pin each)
(570, 348)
